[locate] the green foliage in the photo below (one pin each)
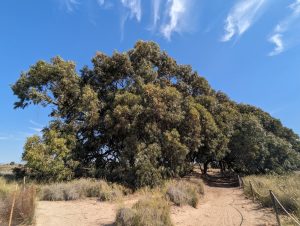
(255, 150)
(138, 117)
(49, 158)
(150, 212)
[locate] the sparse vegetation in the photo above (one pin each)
(154, 211)
(24, 206)
(6, 169)
(286, 188)
(82, 188)
(184, 193)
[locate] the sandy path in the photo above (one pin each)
(220, 207)
(223, 207)
(88, 212)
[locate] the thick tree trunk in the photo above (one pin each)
(201, 168)
(221, 166)
(205, 168)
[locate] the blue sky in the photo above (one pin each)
(250, 49)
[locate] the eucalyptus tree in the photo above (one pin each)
(139, 117)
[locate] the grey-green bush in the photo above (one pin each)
(184, 193)
(149, 212)
(125, 217)
(80, 189)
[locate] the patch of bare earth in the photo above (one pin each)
(87, 212)
(223, 206)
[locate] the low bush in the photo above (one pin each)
(199, 185)
(125, 217)
(24, 204)
(149, 212)
(184, 193)
(82, 188)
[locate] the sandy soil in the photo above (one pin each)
(221, 206)
(88, 212)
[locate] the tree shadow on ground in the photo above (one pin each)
(217, 179)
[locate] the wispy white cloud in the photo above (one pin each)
(37, 126)
(24, 135)
(178, 15)
(284, 32)
(101, 2)
(70, 5)
(241, 17)
(276, 39)
(135, 8)
(156, 4)
(167, 16)
(35, 123)
(36, 129)
(6, 137)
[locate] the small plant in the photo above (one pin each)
(151, 212)
(184, 193)
(125, 217)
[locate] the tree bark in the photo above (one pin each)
(206, 167)
(221, 166)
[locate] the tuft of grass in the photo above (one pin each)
(286, 188)
(82, 188)
(24, 207)
(185, 193)
(125, 217)
(151, 212)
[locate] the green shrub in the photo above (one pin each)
(149, 212)
(184, 193)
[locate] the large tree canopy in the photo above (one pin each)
(139, 117)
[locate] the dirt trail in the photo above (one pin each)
(221, 206)
(88, 212)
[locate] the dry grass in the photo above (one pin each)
(24, 207)
(185, 193)
(82, 188)
(153, 211)
(286, 188)
(6, 169)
